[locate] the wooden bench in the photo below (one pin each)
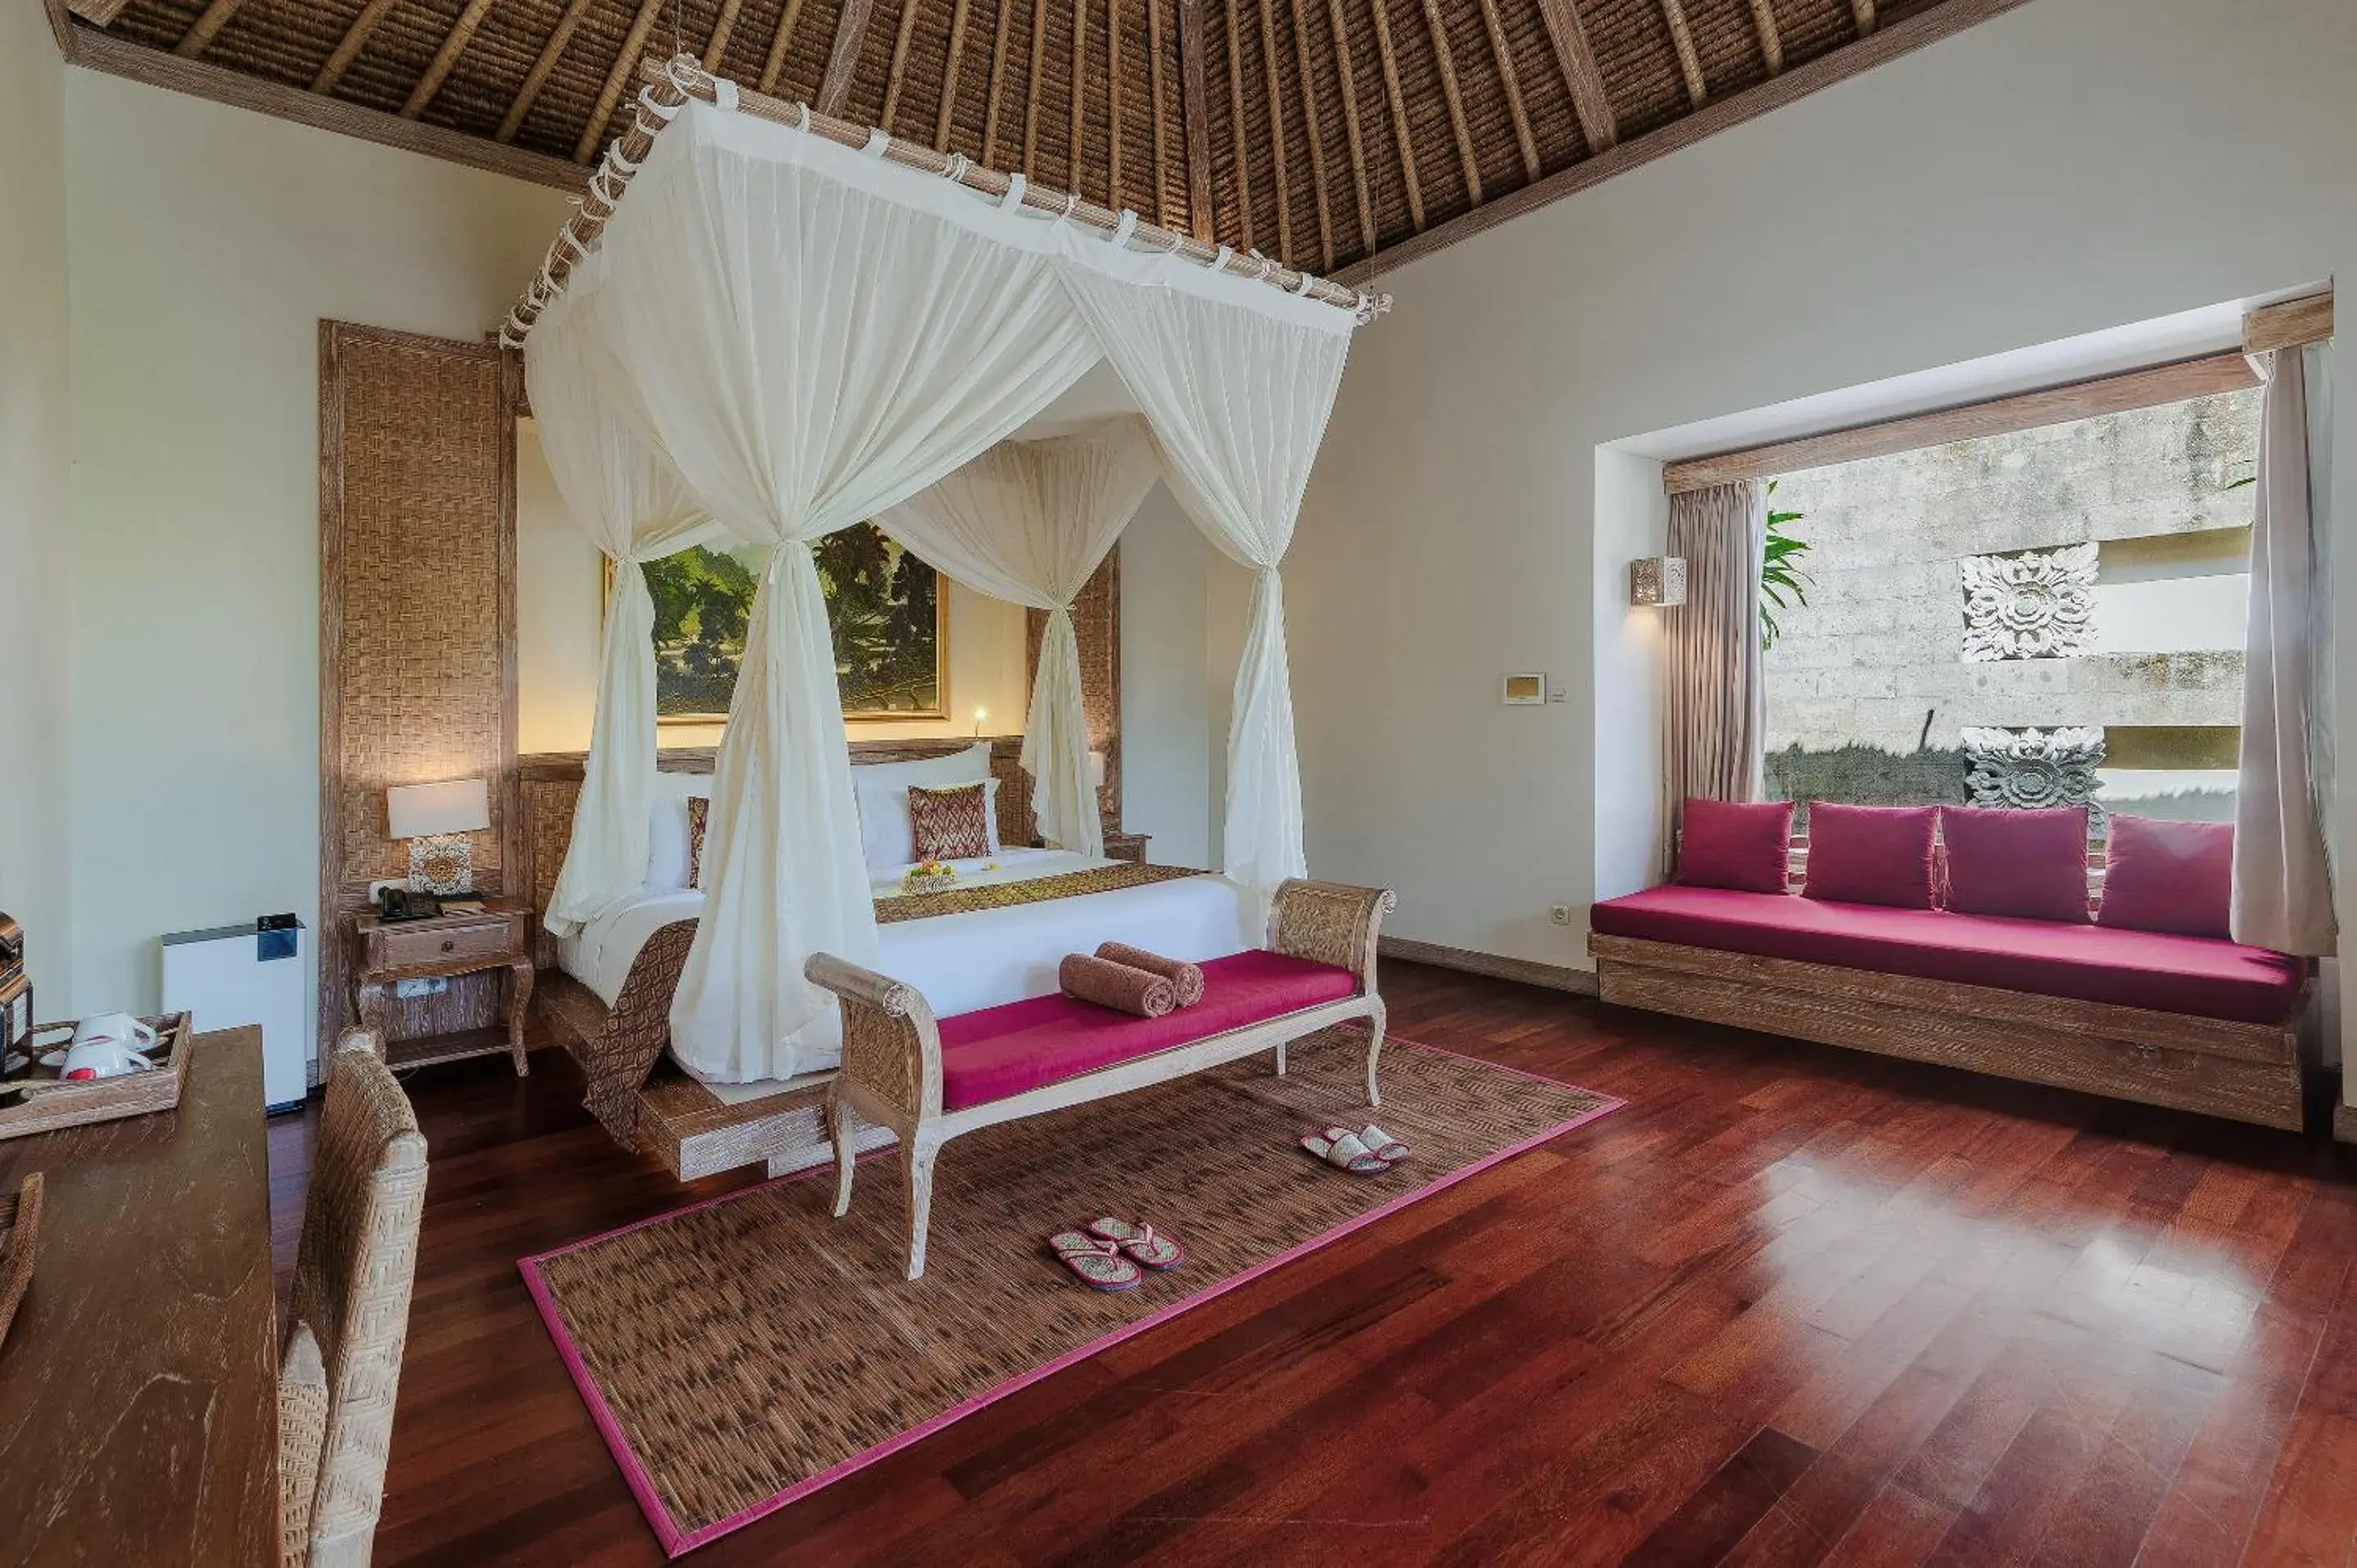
(1030, 1057)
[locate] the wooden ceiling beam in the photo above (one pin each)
(461, 33)
(1457, 126)
(949, 77)
(1589, 100)
(1512, 83)
(1079, 95)
(724, 27)
(1153, 89)
(347, 48)
(1350, 132)
(843, 56)
(1194, 102)
(1772, 42)
(209, 21)
(1862, 11)
(1317, 140)
(1031, 84)
(1890, 42)
(1397, 103)
(634, 43)
(1236, 121)
(1113, 105)
(1673, 13)
(774, 64)
(893, 77)
(997, 85)
(1275, 132)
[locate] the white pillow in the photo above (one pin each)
(887, 837)
(667, 826)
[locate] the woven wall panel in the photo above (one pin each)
(417, 608)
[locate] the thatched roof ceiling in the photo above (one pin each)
(1324, 133)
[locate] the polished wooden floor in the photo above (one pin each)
(1791, 1305)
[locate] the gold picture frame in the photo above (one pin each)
(694, 671)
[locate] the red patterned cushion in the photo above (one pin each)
(699, 809)
(1740, 844)
(950, 824)
(2029, 864)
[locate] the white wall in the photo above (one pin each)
(33, 527)
(2068, 166)
(206, 243)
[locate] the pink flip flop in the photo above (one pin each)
(1345, 1152)
(1385, 1147)
(1099, 1263)
(1146, 1246)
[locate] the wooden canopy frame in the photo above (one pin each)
(669, 87)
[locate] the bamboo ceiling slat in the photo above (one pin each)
(1321, 132)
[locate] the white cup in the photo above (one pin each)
(108, 1045)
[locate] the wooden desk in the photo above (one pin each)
(139, 1384)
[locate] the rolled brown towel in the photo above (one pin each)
(1116, 985)
(1185, 978)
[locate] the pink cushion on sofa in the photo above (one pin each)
(1735, 843)
(2197, 975)
(2167, 876)
(996, 1052)
(2029, 865)
(1871, 855)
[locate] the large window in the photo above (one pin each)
(2049, 616)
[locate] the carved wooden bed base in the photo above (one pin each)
(2250, 1072)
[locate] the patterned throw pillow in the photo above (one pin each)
(950, 824)
(699, 809)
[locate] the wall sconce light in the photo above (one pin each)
(1657, 581)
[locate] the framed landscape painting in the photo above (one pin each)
(885, 607)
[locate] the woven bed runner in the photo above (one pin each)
(1038, 890)
(745, 1351)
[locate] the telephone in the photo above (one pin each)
(401, 904)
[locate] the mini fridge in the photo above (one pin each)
(249, 974)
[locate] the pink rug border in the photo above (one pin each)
(677, 1543)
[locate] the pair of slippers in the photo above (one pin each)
(1370, 1151)
(1110, 1255)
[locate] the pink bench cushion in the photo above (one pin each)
(997, 1052)
(2201, 976)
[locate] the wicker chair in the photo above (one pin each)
(350, 1312)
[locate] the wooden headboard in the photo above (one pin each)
(551, 785)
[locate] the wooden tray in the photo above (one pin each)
(41, 1102)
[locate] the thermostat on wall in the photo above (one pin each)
(1523, 691)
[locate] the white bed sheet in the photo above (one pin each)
(982, 959)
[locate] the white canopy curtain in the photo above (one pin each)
(2283, 876)
(812, 335)
(1029, 521)
(1238, 394)
(634, 505)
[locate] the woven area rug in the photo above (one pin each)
(742, 1352)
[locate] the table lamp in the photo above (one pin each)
(436, 819)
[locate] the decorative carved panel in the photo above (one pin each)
(2038, 604)
(417, 619)
(2033, 768)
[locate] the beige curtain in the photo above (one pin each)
(1714, 695)
(2283, 882)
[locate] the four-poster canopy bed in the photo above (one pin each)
(795, 325)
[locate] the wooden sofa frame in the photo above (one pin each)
(892, 1048)
(2248, 1072)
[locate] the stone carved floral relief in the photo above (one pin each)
(2037, 604)
(2029, 767)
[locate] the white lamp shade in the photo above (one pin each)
(1096, 770)
(458, 806)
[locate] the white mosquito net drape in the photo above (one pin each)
(810, 335)
(1028, 521)
(634, 505)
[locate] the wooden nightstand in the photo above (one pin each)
(1127, 846)
(387, 952)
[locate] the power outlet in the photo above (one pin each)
(431, 986)
(1560, 914)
